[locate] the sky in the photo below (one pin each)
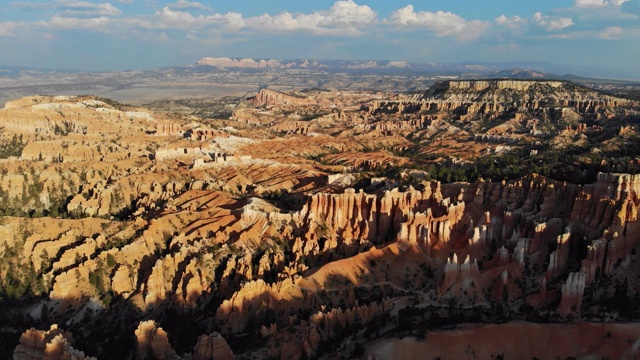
(136, 34)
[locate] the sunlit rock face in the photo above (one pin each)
(311, 224)
(54, 344)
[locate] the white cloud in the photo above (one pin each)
(347, 13)
(31, 6)
(343, 18)
(57, 22)
(72, 8)
(188, 5)
(559, 24)
(610, 33)
(601, 9)
(514, 22)
(82, 8)
(8, 29)
(598, 3)
(618, 32)
(442, 23)
(67, 15)
(552, 24)
(163, 36)
(167, 19)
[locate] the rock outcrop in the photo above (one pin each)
(246, 226)
(212, 347)
(152, 340)
(54, 344)
(270, 97)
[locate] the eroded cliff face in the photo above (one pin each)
(214, 239)
(473, 244)
(54, 344)
(212, 347)
(152, 343)
(469, 99)
(270, 97)
(479, 85)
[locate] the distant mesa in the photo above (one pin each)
(499, 84)
(238, 63)
(248, 63)
(517, 73)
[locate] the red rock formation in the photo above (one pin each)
(486, 97)
(155, 287)
(271, 97)
(212, 347)
(54, 344)
(558, 259)
(167, 129)
(572, 292)
(152, 340)
(455, 271)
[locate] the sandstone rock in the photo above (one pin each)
(155, 286)
(212, 347)
(152, 340)
(572, 292)
(54, 344)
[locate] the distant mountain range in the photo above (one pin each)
(221, 76)
(19, 71)
(246, 63)
(519, 70)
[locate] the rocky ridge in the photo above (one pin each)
(245, 235)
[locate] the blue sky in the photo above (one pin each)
(133, 34)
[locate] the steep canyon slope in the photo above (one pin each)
(315, 223)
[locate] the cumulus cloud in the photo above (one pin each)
(72, 8)
(188, 5)
(29, 6)
(70, 15)
(86, 9)
(168, 19)
(57, 22)
(610, 33)
(514, 22)
(441, 22)
(618, 32)
(8, 29)
(559, 24)
(602, 9)
(598, 3)
(551, 24)
(343, 18)
(347, 13)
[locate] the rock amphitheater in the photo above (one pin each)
(320, 225)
